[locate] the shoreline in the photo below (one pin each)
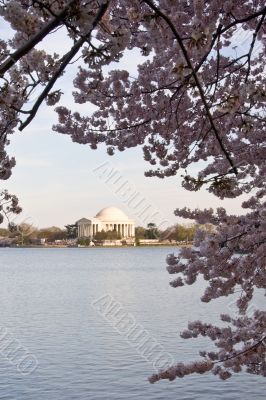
(95, 247)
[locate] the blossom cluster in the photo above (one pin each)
(8, 205)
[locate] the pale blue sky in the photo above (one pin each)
(54, 177)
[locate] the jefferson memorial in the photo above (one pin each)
(108, 219)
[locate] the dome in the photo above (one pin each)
(111, 214)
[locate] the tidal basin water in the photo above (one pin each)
(46, 301)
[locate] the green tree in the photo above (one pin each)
(4, 232)
(151, 231)
(24, 232)
(140, 232)
(102, 235)
(83, 241)
(179, 233)
(71, 231)
(170, 233)
(51, 234)
(107, 235)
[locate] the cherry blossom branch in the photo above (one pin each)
(66, 23)
(66, 59)
(253, 44)
(38, 37)
(122, 129)
(189, 63)
(243, 20)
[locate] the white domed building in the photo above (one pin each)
(108, 219)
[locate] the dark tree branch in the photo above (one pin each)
(66, 23)
(253, 44)
(194, 74)
(243, 20)
(66, 60)
(38, 37)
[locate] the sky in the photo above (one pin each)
(59, 182)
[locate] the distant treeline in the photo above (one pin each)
(176, 233)
(24, 234)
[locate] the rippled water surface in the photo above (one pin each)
(46, 297)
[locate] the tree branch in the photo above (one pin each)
(38, 37)
(253, 44)
(243, 20)
(194, 74)
(66, 59)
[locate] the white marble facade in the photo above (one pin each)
(108, 219)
